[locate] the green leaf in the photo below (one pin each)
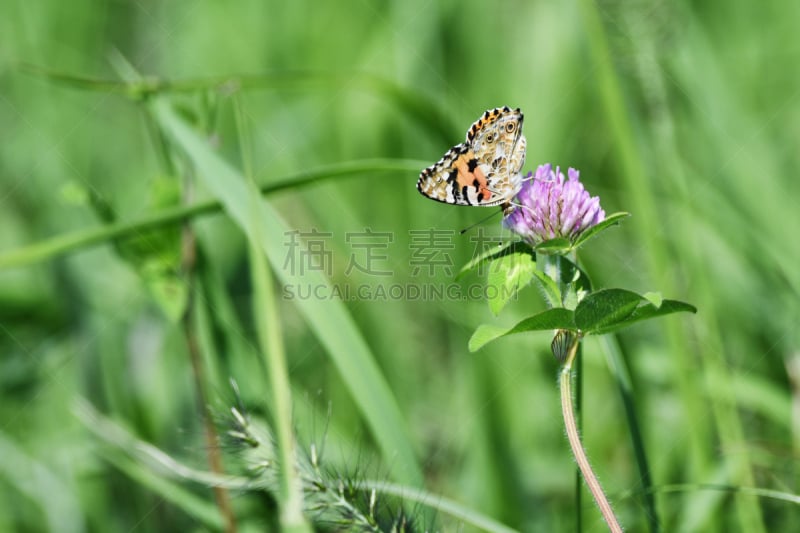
(507, 275)
(557, 318)
(645, 312)
(611, 220)
(155, 253)
(559, 245)
(329, 319)
(613, 309)
(605, 307)
(575, 280)
(74, 194)
(654, 298)
(563, 245)
(552, 293)
(167, 288)
(563, 283)
(493, 253)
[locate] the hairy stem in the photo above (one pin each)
(567, 411)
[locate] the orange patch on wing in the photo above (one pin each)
(468, 178)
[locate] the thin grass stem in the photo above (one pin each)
(188, 322)
(198, 370)
(270, 339)
(622, 378)
(62, 244)
(412, 103)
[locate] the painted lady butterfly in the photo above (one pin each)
(485, 169)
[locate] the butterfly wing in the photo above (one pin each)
(458, 178)
(498, 140)
(484, 170)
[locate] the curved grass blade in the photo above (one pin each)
(505, 248)
(63, 244)
(329, 319)
(733, 489)
(412, 103)
(147, 456)
(180, 497)
(444, 505)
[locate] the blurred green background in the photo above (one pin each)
(685, 114)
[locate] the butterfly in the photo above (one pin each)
(485, 169)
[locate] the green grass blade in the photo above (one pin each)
(270, 340)
(644, 206)
(143, 453)
(329, 319)
(770, 494)
(149, 457)
(54, 496)
(198, 508)
(411, 103)
(268, 329)
(622, 378)
(443, 505)
(63, 244)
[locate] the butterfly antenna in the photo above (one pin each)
(478, 223)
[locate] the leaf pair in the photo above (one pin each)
(601, 312)
(512, 266)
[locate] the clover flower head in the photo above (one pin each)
(548, 206)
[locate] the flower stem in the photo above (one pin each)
(565, 381)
